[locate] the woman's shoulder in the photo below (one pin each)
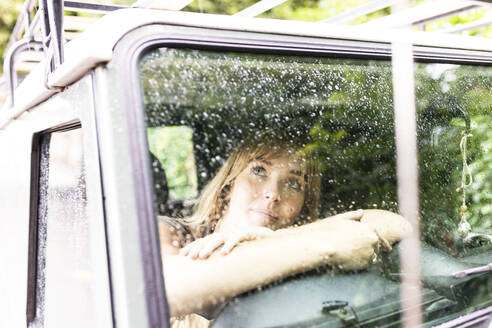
(174, 223)
(174, 233)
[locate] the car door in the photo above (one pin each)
(224, 85)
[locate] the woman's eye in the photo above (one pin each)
(294, 184)
(259, 170)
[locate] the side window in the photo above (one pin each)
(331, 120)
(61, 275)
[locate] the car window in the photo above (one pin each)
(341, 110)
(61, 274)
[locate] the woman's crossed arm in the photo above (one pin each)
(199, 286)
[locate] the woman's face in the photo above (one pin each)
(267, 193)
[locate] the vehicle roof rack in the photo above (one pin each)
(41, 31)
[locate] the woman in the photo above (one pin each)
(255, 223)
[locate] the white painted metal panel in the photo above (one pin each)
(15, 173)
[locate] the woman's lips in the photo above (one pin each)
(266, 213)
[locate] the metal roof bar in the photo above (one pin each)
(44, 30)
(469, 26)
(421, 14)
(365, 9)
(259, 8)
(52, 28)
(25, 24)
(31, 29)
(8, 65)
(91, 7)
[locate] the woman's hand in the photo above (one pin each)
(346, 244)
(202, 248)
(390, 227)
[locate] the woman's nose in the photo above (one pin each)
(271, 192)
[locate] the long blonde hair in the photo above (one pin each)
(213, 202)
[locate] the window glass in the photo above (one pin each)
(65, 280)
(336, 106)
(338, 112)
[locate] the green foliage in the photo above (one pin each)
(480, 192)
(463, 18)
(173, 147)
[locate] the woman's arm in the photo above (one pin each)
(390, 227)
(194, 286)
